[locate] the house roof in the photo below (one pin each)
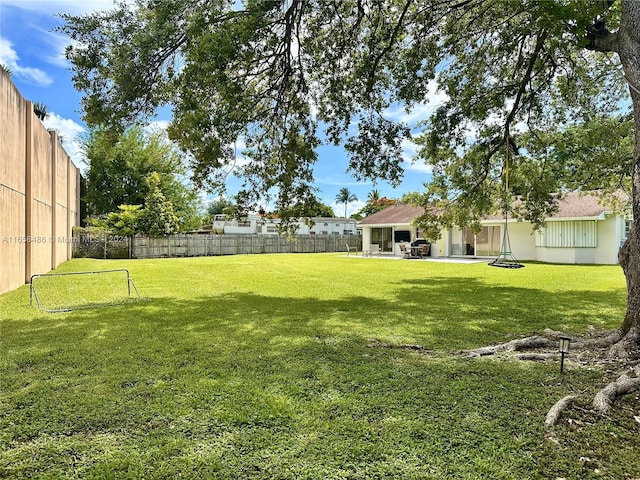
(572, 205)
(397, 214)
(580, 205)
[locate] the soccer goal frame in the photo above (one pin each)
(109, 287)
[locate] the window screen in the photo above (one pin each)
(575, 234)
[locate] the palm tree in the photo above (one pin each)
(373, 196)
(345, 196)
(40, 109)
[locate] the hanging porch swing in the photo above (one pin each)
(506, 259)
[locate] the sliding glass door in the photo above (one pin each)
(484, 244)
(488, 241)
(382, 237)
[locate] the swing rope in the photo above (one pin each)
(506, 258)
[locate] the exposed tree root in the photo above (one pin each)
(549, 340)
(626, 347)
(538, 357)
(598, 341)
(513, 346)
(623, 385)
(560, 406)
(608, 350)
(403, 346)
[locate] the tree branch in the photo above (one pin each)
(603, 42)
(526, 78)
(388, 47)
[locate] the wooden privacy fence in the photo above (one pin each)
(113, 246)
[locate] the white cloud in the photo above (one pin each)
(410, 161)
(352, 207)
(75, 7)
(59, 45)
(56, 41)
(158, 125)
(420, 111)
(342, 181)
(10, 58)
(69, 131)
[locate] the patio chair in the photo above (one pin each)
(374, 249)
(425, 250)
(351, 249)
(403, 250)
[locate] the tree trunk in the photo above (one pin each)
(628, 48)
(629, 257)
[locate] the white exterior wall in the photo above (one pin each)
(439, 247)
(610, 236)
(556, 255)
(330, 226)
(366, 238)
(522, 239)
(258, 224)
(235, 227)
(610, 232)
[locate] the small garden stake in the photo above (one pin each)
(564, 350)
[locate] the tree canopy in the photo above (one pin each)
(282, 76)
(220, 205)
(124, 169)
(319, 209)
(374, 204)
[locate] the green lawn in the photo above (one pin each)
(260, 366)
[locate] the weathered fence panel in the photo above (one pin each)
(113, 246)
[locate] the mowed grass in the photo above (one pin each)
(262, 366)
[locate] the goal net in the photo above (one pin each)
(63, 292)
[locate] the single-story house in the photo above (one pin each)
(581, 231)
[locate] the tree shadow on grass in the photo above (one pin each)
(291, 376)
(461, 311)
(444, 312)
(464, 308)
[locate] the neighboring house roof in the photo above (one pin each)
(576, 205)
(332, 219)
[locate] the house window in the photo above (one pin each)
(272, 229)
(575, 234)
(628, 224)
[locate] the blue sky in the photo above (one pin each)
(35, 55)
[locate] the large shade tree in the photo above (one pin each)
(282, 75)
(120, 167)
